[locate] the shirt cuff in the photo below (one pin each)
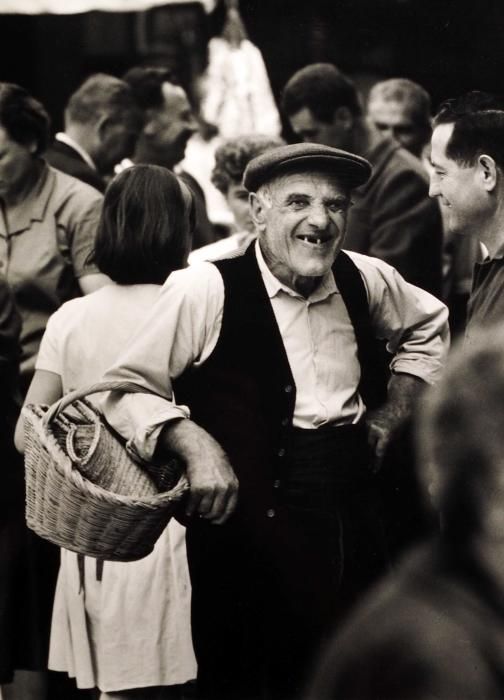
(139, 418)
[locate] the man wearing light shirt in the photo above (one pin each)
(269, 386)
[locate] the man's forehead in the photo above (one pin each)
(308, 181)
(440, 137)
(389, 112)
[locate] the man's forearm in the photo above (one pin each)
(212, 481)
(403, 393)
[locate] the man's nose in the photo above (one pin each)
(434, 190)
(318, 217)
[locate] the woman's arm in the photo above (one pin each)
(45, 388)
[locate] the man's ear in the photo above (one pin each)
(344, 117)
(102, 127)
(487, 172)
(258, 211)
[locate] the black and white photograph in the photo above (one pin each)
(251, 350)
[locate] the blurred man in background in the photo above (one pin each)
(401, 109)
(102, 124)
(169, 123)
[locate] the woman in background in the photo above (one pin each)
(231, 159)
(128, 634)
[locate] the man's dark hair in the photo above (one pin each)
(23, 117)
(146, 83)
(322, 88)
(100, 94)
(143, 233)
(478, 119)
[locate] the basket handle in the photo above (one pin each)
(72, 396)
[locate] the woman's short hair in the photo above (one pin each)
(233, 156)
(23, 117)
(143, 233)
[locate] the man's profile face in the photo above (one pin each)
(312, 130)
(394, 119)
(302, 224)
(119, 140)
(456, 186)
(170, 127)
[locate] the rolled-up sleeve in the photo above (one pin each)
(180, 331)
(413, 322)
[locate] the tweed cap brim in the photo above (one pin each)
(352, 170)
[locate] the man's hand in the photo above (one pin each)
(212, 481)
(403, 391)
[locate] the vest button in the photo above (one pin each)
(288, 389)
(276, 484)
(285, 422)
(281, 452)
(270, 513)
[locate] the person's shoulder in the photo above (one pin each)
(369, 266)
(197, 277)
(61, 157)
(404, 162)
(69, 189)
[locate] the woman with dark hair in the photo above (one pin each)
(47, 224)
(130, 630)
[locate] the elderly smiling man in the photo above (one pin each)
(275, 355)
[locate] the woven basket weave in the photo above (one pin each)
(84, 492)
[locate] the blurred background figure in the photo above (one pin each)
(125, 631)
(47, 231)
(236, 98)
(48, 225)
(169, 123)
(392, 217)
(16, 651)
(436, 628)
(401, 109)
(102, 124)
(231, 159)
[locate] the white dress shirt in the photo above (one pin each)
(183, 328)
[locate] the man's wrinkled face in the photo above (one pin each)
(170, 127)
(456, 186)
(301, 219)
(394, 119)
(312, 130)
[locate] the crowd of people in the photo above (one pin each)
(342, 537)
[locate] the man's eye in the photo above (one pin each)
(339, 207)
(298, 203)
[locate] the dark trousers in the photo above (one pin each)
(268, 590)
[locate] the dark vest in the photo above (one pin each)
(244, 394)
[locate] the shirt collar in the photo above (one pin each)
(274, 287)
(68, 140)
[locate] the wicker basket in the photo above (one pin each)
(84, 492)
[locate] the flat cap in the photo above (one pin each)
(351, 169)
